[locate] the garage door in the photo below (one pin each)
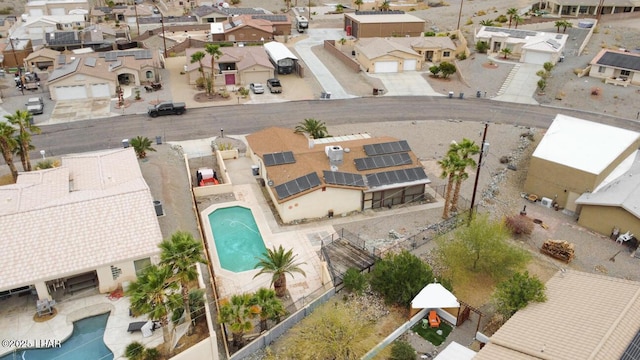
(100, 90)
(534, 57)
(249, 77)
(71, 92)
(58, 11)
(386, 67)
(409, 65)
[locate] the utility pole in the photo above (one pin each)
(164, 39)
(475, 184)
(15, 58)
(135, 7)
(460, 14)
(600, 5)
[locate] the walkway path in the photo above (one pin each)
(406, 84)
(520, 85)
(322, 74)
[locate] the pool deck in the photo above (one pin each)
(17, 321)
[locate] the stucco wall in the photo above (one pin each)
(390, 29)
(81, 79)
(105, 277)
(549, 179)
(318, 203)
(248, 34)
(603, 219)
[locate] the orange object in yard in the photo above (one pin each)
(434, 319)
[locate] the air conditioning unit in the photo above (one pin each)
(546, 202)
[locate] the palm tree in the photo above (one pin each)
(386, 6)
(565, 25)
(505, 52)
(197, 57)
(517, 20)
(154, 294)
(7, 145)
(23, 119)
(215, 53)
(237, 313)
(141, 145)
(315, 128)
(511, 12)
(464, 151)
(181, 254)
(358, 3)
(488, 22)
(449, 164)
(279, 263)
(558, 24)
(271, 307)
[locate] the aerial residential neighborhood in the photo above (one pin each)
(273, 179)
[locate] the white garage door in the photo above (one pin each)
(534, 57)
(58, 11)
(249, 77)
(100, 90)
(409, 65)
(71, 92)
(386, 67)
(36, 12)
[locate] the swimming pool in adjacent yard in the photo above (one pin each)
(238, 241)
(86, 343)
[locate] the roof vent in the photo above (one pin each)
(347, 150)
(335, 154)
(334, 168)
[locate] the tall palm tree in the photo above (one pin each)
(197, 57)
(386, 6)
(358, 3)
(23, 119)
(279, 263)
(141, 145)
(7, 145)
(154, 294)
(464, 151)
(565, 25)
(449, 165)
(511, 12)
(271, 307)
(237, 313)
(517, 20)
(214, 51)
(181, 253)
(315, 128)
(558, 24)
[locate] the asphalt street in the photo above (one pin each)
(89, 135)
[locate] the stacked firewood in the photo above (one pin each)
(559, 249)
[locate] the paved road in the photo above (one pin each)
(241, 119)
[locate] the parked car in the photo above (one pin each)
(274, 86)
(257, 88)
(35, 105)
(167, 108)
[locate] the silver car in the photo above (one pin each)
(257, 88)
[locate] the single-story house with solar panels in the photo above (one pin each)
(531, 47)
(313, 178)
(590, 7)
(364, 24)
(588, 168)
(586, 316)
(89, 223)
(616, 67)
(96, 75)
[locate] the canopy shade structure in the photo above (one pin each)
(434, 296)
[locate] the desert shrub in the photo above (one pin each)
(502, 19)
(519, 224)
(481, 13)
(515, 293)
(429, 33)
(461, 56)
(482, 47)
(354, 281)
(469, 22)
(402, 350)
(200, 83)
(435, 70)
(400, 277)
(542, 84)
(235, 2)
(453, 36)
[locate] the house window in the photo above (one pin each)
(115, 272)
(141, 264)
(446, 53)
(625, 72)
(149, 74)
(601, 69)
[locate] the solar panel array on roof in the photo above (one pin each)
(396, 177)
(342, 178)
(382, 161)
(61, 38)
(285, 157)
(298, 185)
(387, 148)
(556, 45)
(625, 61)
(390, 12)
(633, 349)
(520, 34)
(90, 61)
(241, 11)
(274, 18)
(138, 54)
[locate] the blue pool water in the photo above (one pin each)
(86, 343)
(237, 238)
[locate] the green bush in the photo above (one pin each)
(502, 19)
(482, 47)
(518, 291)
(354, 281)
(461, 56)
(402, 350)
(434, 70)
(429, 33)
(400, 277)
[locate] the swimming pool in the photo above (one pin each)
(86, 343)
(237, 238)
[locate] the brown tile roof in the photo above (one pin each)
(586, 316)
(244, 57)
(238, 22)
(308, 160)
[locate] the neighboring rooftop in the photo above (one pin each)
(577, 139)
(93, 210)
(617, 59)
(381, 17)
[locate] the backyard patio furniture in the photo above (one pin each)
(146, 327)
(434, 319)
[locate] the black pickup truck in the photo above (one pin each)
(167, 108)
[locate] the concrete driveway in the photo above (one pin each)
(520, 85)
(409, 83)
(73, 110)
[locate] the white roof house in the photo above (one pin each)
(532, 47)
(94, 210)
(590, 146)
